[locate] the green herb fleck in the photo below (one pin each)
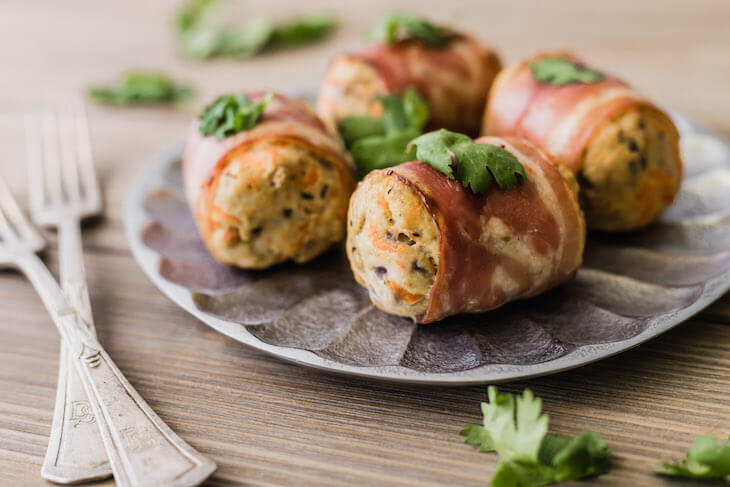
(381, 151)
(559, 71)
(380, 142)
(705, 460)
(395, 27)
(202, 37)
(528, 457)
(140, 88)
(304, 30)
(477, 165)
(231, 114)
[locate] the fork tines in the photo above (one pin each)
(14, 228)
(60, 165)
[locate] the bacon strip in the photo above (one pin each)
(502, 246)
(454, 80)
(560, 119)
(205, 158)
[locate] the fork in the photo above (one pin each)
(142, 450)
(57, 162)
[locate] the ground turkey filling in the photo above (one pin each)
(629, 172)
(352, 87)
(276, 200)
(393, 244)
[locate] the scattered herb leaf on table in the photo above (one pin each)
(705, 460)
(202, 37)
(141, 88)
(516, 429)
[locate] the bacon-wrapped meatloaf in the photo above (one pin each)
(427, 248)
(623, 149)
(453, 79)
(274, 192)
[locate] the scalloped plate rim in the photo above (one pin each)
(134, 219)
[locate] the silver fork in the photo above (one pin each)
(63, 190)
(142, 450)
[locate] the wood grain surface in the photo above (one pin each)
(267, 422)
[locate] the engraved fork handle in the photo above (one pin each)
(75, 450)
(142, 450)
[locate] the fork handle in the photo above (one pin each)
(75, 451)
(142, 449)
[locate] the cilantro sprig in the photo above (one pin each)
(528, 457)
(202, 37)
(231, 114)
(705, 460)
(558, 71)
(476, 166)
(380, 142)
(397, 26)
(141, 88)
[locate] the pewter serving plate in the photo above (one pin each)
(631, 288)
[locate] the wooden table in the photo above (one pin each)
(266, 422)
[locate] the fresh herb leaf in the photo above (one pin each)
(140, 88)
(304, 30)
(193, 12)
(476, 165)
(582, 456)
(353, 128)
(560, 71)
(245, 40)
(476, 435)
(200, 37)
(404, 112)
(395, 27)
(381, 151)
(380, 142)
(528, 456)
(229, 115)
(706, 459)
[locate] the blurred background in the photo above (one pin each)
(677, 51)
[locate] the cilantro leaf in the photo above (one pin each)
(141, 88)
(247, 39)
(355, 128)
(304, 30)
(396, 26)
(476, 165)
(476, 435)
(559, 71)
(381, 151)
(528, 457)
(380, 142)
(193, 12)
(404, 112)
(706, 459)
(229, 115)
(201, 37)
(585, 455)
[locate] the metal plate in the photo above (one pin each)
(632, 287)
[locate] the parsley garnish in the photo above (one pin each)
(379, 142)
(705, 460)
(231, 114)
(528, 456)
(476, 165)
(559, 71)
(395, 27)
(201, 37)
(139, 88)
